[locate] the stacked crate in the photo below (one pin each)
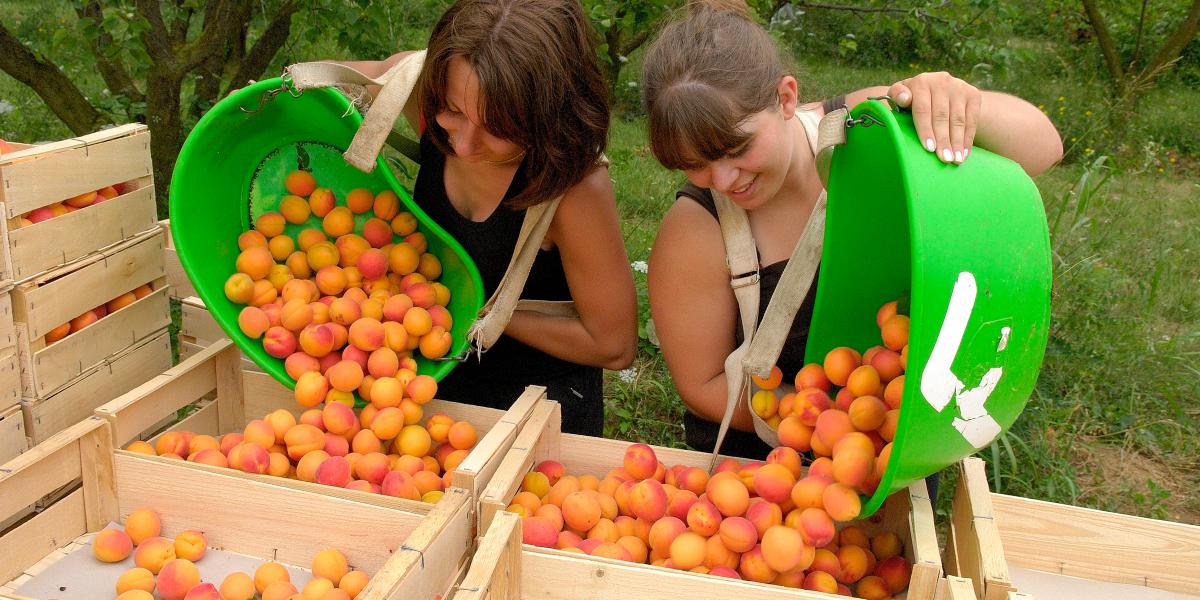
(13, 440)
(67, 262)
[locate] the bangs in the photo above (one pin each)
(503, 103)
(692, 124)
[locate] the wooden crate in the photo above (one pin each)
(1051, 550)
(198, 330)
(53, 298)
(549, 573)
(409, 555)
(181, 286)
(50, 173)
(79, 399)
(243, 396)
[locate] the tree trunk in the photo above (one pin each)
(166, 130)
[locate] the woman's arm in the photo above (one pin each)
(951, 115)
(587, 231)
(695, 312)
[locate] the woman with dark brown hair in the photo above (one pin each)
(513, 112)
(723, 106)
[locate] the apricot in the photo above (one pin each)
(773, 482)
(852, 466)
(895, 332)
(782, 548)
(831, 426)
(321, 201)
(462, 436)
(143, 523)
(753, 566)
(400, 485)
(816, 527)
(279, 342)
(300, 183)
(820, 581)
(853, 560)
(728, 494)
(317, 340)
(322, 254)
(279, 590)
(353, 583)
(111, 545)
(864, 381)
(436, 343)
(867, 413)
(422, 389)
(581, 511)
(841, 502)
(539, 531)
(360, 200)
(303, 439)
(367, 334)
(154, 552)
(176, 578)
(190, 545)
(270, 224)
(894, 391)
(137, 578)
(886, 545)
(895, 572)
(678, 503)
(640, 461)
(388, 423)
(412, 413)
(839, 363)
(873, 588)
(414, 440)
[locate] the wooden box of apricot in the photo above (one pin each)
(65, 201)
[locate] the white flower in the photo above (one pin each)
(639, 266)
(628, 375)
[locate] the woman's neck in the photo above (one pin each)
(477, 189)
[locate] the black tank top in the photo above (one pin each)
(501, 374)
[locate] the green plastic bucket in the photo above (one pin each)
(971, 245)
(231, 169)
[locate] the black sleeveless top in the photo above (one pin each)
(501, 374)
(701, 433)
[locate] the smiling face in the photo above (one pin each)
(463, 122)
(753, 171)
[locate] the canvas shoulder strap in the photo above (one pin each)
(761, 345)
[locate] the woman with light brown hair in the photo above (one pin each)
(724, 107)
(513, 112)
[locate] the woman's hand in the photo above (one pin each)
(945, 110)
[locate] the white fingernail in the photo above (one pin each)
(958, 156)
(929, 145)
(966, 153)
(903, 97)
(946, 156)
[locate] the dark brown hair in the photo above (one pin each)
(540, 85)
(706, 74)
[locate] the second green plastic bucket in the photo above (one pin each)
(970, 244)
(231, 170)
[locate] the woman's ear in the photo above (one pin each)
(789, 97)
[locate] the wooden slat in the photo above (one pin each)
(520, 458)
(8, 334)
(56, 365)
(70, 237)
(99, 489)
(181, 286)
(496, 565)
(197, 323)
(79, 399)
(43, 468)
(257, 518)
(227, 367)
(36, 177)
(63, 294)
(10, 378)
(556, 575)
(140, 409)
(1093, 544)
(429, 561)
(479, 466)
(955, 588)
(27, 543)
(13, 440)
(979, 553)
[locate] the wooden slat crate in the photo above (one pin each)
(54, 298)
(550, 573)
(79, 399)
(408, 555)
(50, 173)
(243, 396)
(181, 286)
(198, 330)
(1048, 550)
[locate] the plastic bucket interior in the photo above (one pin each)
(233, 156)
(970, 244)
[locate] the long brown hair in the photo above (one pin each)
(705, 74)
(540, 85)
